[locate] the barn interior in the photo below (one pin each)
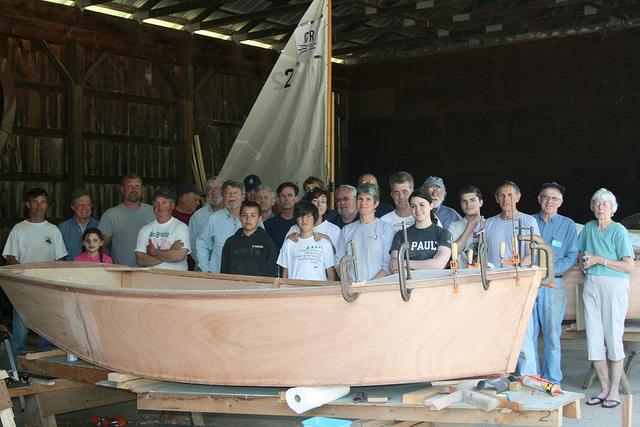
(473, 91)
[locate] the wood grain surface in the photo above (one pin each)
(238, 333)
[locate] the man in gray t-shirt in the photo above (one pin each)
(500, 228)
(120, 224)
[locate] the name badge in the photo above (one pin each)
(556, 244)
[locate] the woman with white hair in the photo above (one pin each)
(606, 258)
(371, 236)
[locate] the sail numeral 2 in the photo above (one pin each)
(288, 72)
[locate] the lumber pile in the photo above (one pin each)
(442, 394)
(128, 381)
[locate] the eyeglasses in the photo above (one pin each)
(604, 204)
(554, 199)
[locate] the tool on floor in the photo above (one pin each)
(14, 376)
(109, 421)
(540, 384)
(500, 385)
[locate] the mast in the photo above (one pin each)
(330, 113)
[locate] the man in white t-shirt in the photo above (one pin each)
(465, 231)
(401, 184)
(33, 240)
(163, 243)
(307, 258)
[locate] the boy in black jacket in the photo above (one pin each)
(250, 251)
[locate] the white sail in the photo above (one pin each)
(284, 136)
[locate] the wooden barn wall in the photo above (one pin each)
(98, 97)
(562, 109)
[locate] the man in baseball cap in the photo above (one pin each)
(187, 203)
(251, 183)
(446, 215)
(163, 243)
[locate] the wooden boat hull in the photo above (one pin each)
(199, 328)
(574, 278)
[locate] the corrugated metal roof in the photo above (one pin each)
(377, 28)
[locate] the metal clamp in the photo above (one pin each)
(538, 243)
(345, 282)
(482, 260)
(402, 272)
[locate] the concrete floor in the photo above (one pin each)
(575, 367)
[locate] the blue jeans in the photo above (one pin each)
(548, 312)
(19, 332)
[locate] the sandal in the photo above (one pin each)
(610, 403)
(595, 400)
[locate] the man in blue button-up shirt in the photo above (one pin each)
(73, 228)
(221, 225)
(559, 232)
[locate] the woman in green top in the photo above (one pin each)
(606, 258)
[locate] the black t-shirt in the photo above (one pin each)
(383, 209)
(340, 223)
(423, 242)
(277, 228)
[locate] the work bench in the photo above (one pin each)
(72, 389)
(539, 409)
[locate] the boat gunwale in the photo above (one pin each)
(302, 290)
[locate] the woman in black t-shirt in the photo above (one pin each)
(429, 244)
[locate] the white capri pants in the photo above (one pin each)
(606, 301)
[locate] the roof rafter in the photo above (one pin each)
(543, 24)
(247, 17)
(170, 10)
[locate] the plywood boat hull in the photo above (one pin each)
(574, 278)
(199, 328)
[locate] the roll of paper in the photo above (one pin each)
(301, 399)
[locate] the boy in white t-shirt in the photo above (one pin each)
(307, 258)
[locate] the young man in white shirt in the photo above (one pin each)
(465, 231)
(401, 184)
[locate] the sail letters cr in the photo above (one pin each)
(309, 43)
(285, 135)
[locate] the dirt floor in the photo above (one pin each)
(575, 367)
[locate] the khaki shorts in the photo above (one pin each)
(606, 301)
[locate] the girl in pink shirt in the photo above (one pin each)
(92, 240)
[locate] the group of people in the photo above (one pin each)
(247, 228)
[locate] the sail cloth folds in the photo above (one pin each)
(284, 136)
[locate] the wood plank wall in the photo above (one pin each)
(562, 109)
(98, 97)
